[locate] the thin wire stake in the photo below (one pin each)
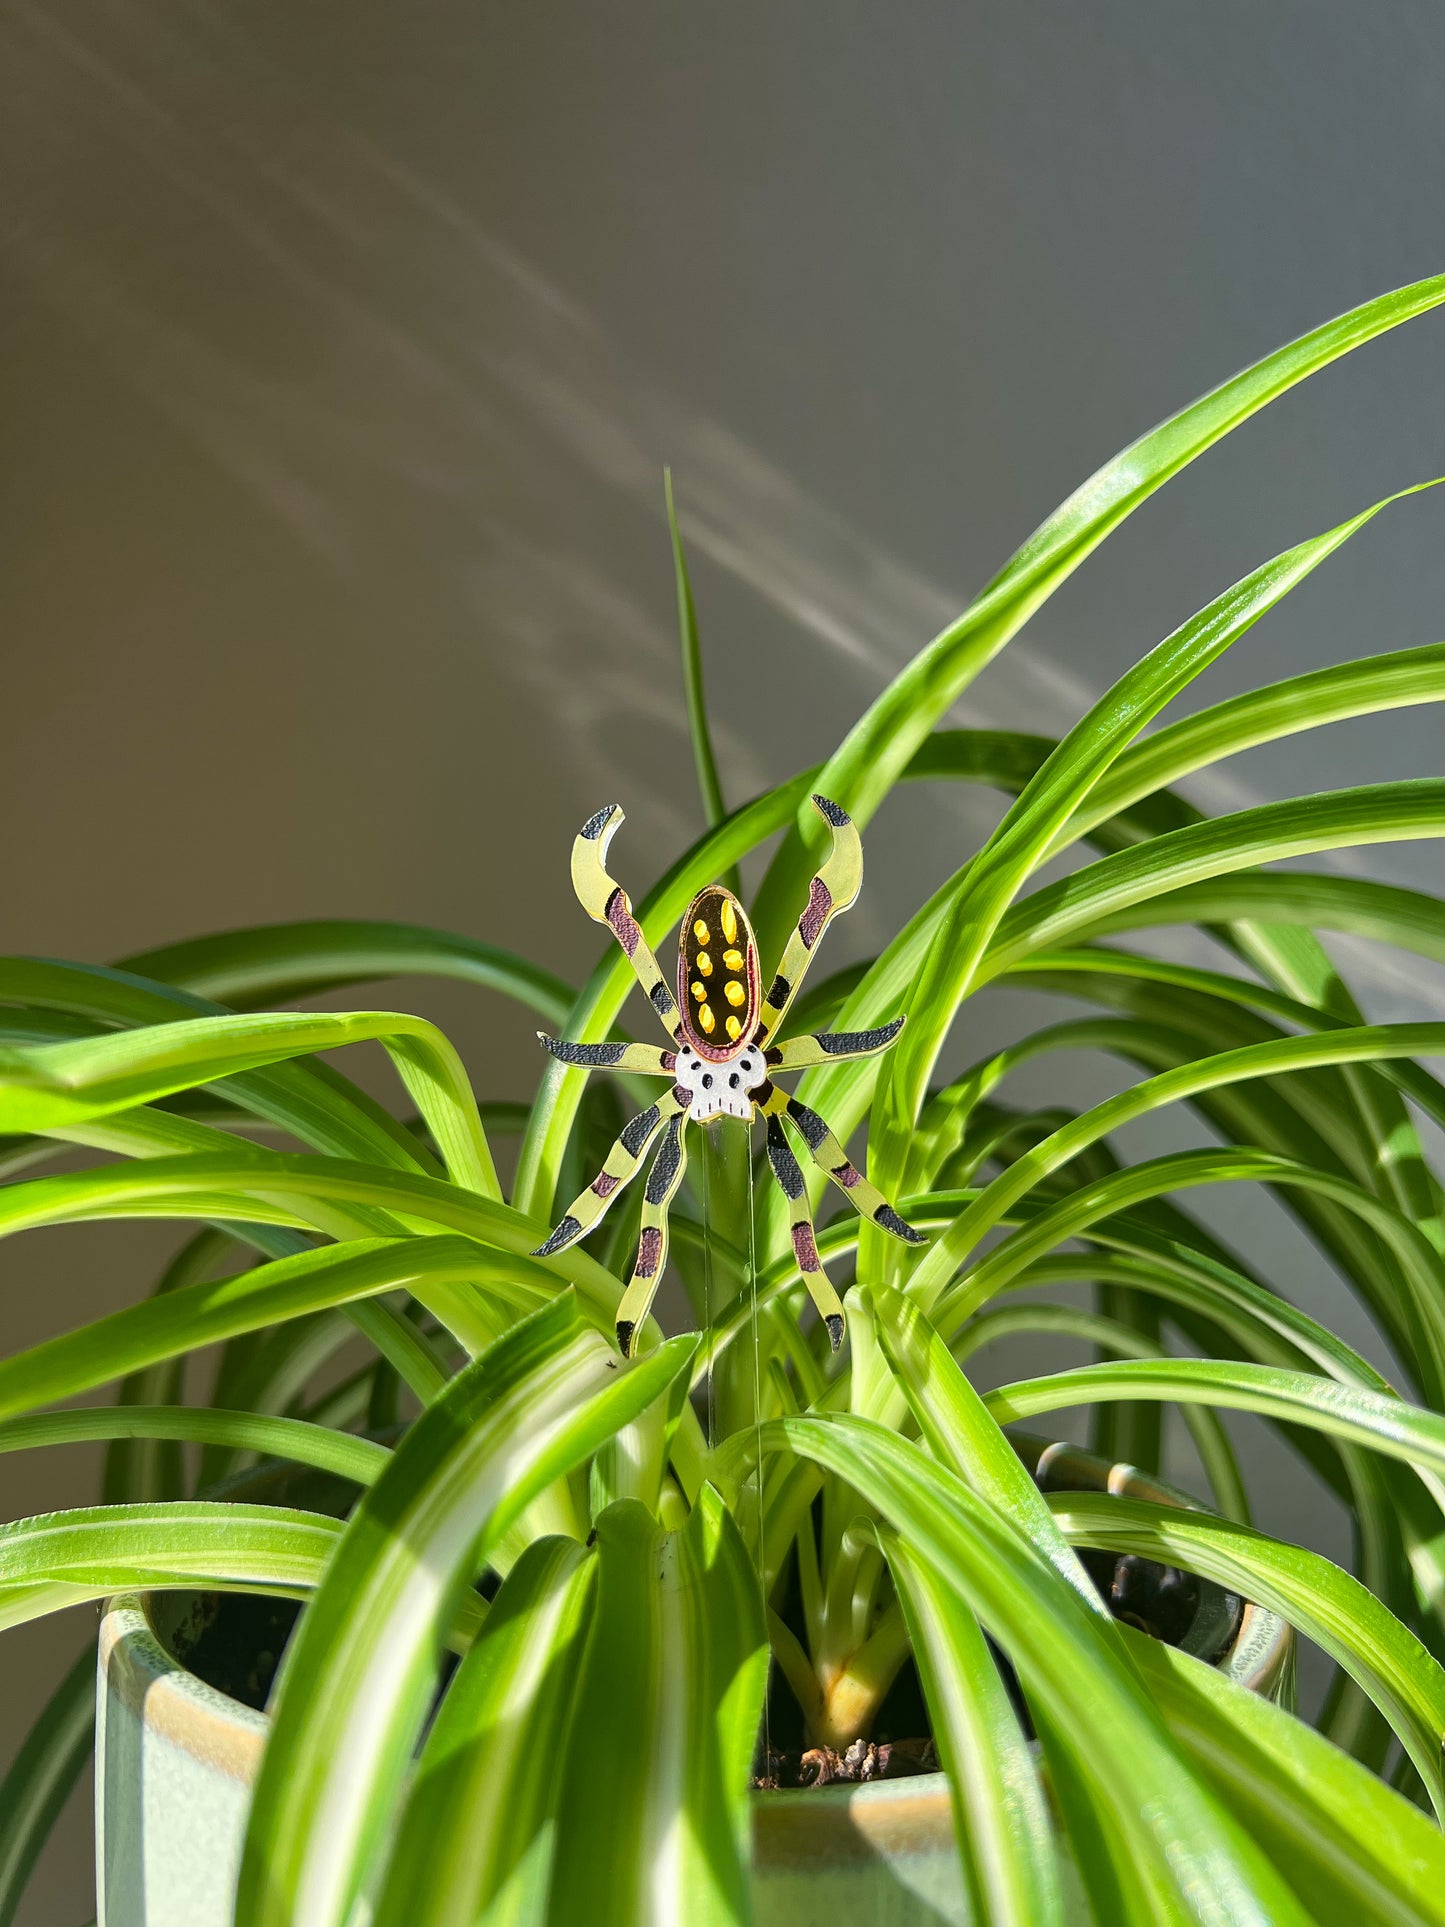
(707, 1158)
(716, 1145)
(758, 1449)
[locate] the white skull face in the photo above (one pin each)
(720, 1090)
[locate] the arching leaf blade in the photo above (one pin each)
(1325, 1604)
(53, 1086)
(1396, 679)
(282, 962)
(1388, 1425)
(63, 1559)
(877, 749)
(1351, 1847)
(989, 883)
(1007, 1850)
(674, 1676)
(478, 1835)
(357, 1677)
(360, 1460)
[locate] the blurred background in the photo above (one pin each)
(341, 348)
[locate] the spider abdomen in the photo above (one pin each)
(717, 975)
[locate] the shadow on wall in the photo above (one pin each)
(375, 373)
(415, 406)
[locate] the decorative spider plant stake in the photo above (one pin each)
(723, 1032)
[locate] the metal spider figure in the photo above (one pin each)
(722, 1031)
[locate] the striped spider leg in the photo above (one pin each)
(721, 1026)
(832, 891)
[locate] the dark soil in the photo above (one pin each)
(234, 1641)
(821, 1766)
(1159, 1600)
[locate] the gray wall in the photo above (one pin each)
(342, 346)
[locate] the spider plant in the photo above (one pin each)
(613, 1553)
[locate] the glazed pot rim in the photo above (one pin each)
(185, 1710)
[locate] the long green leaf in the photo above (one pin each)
(1006, 1846)
(54, 1086)
(1129, 981)
(1355, 906)
(1367, 1043)
(1352, 1848)
(708, 783)
(876, 750)
(1184, 875)
(960, 1432)
(283, 1192)
(989, 883)
(66, 1558)
(1326, 1604)
(282, 1438)
(281, 962)
(1309, 1116)
(357, 1676)
(478, 1837)
(219, 1188)
(1211, 1442)
(1138, 888)
(674, 1678)
(1130, 1254)
(1416, 1324)
(311, 1100)
(1394, 680)
(210, 1311)
(1389, 1425)
(1300, 826)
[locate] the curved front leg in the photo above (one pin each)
(605, 901)
(833, 890)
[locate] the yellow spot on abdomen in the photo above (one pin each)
(735, 994)
(733, 959)
(704, 964)
(734, 1028)
(699, 991)
(701, 931)
(729, 919)
(706, 1019)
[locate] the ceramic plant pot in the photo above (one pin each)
(883, 1855)
(176, 1759)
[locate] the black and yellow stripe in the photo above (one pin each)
(644, 1060)
(828, 1154)
(662, 1182)
(624, 1161)
(829, 1047)
(607, 902)
(833, 890)
(804, 1235)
